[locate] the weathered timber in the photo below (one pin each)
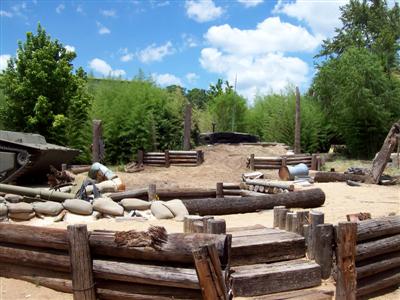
(378, 264)
(378, 247)
(152, 192)
(139, 193)
(289, 221)
(295, 226)
(314, 294)
(79, 170)
(378, 282)
(220, 190)
(265, 183)
(205, 220)
(323, 249)
(140, 157)
(316, 218)
(314, 161)
(261, 279)
(251, 163)
(378, 227)
(81, 263)
(302, 219)
(231, 186)
(380, 161)
(282, 217)
(216, 226)
(198, 226)
(230, 205)
(276, 215)
(346, 284)
(335, 176)
(188, 223)
(167, 159)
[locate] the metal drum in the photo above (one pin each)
(290, 172)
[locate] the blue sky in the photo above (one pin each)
(264, 44)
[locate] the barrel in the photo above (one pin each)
(289, 172)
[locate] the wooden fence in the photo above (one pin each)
(313, 161)
(96, 265)
(169, 157)
(367, 257)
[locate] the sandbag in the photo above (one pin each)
(178, 209)
(133, 204)
(12, 198)
(21, 207)
(3, 210)
(78, 206)
(160, 211)
(48, 208)
(107, 186)
(22, 216)
(108, 206)
(2, 200)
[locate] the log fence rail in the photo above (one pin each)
(171, 157)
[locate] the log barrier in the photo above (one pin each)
(171, 157)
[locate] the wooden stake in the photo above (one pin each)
(81, 263)
(140, 157)
(297, 130)
(316, 218)
(289, 221)
(276, 215)
(323, 249)
(282, 218)
(188, 223)
(152, 192)
(198, 226)
(187, 127)
(314, 161)
(216, 226)
(220, 190)
(302, 219)
(252, 162)
(167, 161)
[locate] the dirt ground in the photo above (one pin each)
(223, 163)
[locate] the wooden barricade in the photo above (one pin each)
(367, 257)
(170, 157)
(313, 161)
(93, 265)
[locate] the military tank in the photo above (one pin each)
(26, 157)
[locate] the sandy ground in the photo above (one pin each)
(224, 163)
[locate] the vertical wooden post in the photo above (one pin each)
(297, 130)
(220, 190)
(302, 219)
(152, 192)
(167, 161)
(199, 157)
(319, 163)
(289, 221)
(295, 224)
(323, 249)
(187, 127)
(252, 162)
(316, 218)
(282, 218)
(346, 284)
(276, 215)
(188, 223)
(314, 161)
(140, 157)
(205, 220)
(284, 162)
(96, 142)
(81, 263)
(198, 227)
(216, 226)
(306, 230)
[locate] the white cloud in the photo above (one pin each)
(4, 13)
(250, 3)
(108, 13)
(127, 57)
(103, 68)
(69, 48)
(192, 77)
(166, 79)
(203, 10)
(189, 41)
(60, 8)
(3, 61)
(102, 29)
(19, 10)
(269, 35)
(79, 9)
(322, 16)
(154, 53)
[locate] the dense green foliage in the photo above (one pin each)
(42, 94)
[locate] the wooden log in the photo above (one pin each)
(346, 284)
(378, 247)
(380, 161)
(314, 294)
(283, 161)
(220, 190)
(159, 154)
(323, 249)
(302, 219)
(178, 152)
(188, 223)
(187, 127)
(139, 193)
(167, 159)
(252, 163)
(282, 217)
(229, 205)
(152, 192)
(378, 227)
(231, 186)
(198, 227)
(289, 221)
(276, 215)
(378, 264)
(81, 262)
(334, 176)
(165, 194)
(378, 282)
(264, 166)
(140, 157)
(316, 218)
(200, 157)
(216, 226)
(278, 184)
(314, 162)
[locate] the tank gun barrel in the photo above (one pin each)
(35, 192)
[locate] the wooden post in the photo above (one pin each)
(314, 162)
(319, 163)
(96, 143)
(282, 218)
(289, 221)
(346, 284)
(295, 224)
(140, 157)
(216, 226)
(252, 162)
(152, 192)
(81, 263)
(187, 127)
(297, 130)
(208, 269)
(323, 249)
(198, 226)
(316, 218)
(284, 162)
(220, 190)
(276, 215)
(302, 219)
(167, 161)
(199, 157)
(306, 230)
(205, 222)
(188, 223)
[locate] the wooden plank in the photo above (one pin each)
(378, 282)
(276, 215)
(260, 279)
(316, 218)
(312, 294)
(231, 230)
(378, 227)
(323, 249)
(378, 247)
(378, 264)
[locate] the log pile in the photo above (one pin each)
(368, 257)
(92, 265)
(313, 161)
(170, 157)
(268, 187)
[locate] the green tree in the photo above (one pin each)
(198, 97)
(43, 94)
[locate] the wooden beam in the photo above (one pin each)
(324, 249)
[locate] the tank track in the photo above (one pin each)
(29, 160)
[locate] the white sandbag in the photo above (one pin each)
(78, 206)
(178, 209)
(160, 211)
(135, 204)
(3, 210)
(21, 207)
(22, 216)
(107, 186)
(108, 207)
(12, 198)
(48, 208)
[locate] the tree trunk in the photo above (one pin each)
(297, 130)
(334, 176)
(378, 227)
